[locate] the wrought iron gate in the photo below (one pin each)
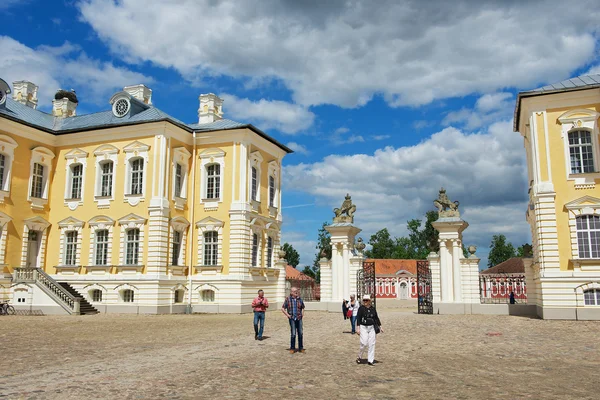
(424, 287)
(365, 282)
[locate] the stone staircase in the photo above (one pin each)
(62, 293)
(84, 306)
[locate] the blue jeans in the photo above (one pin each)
(353, 323)
(295, 327)
(259, 317)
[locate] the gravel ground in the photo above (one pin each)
(216, 356)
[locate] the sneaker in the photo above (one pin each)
(358, 360)
(371, 364)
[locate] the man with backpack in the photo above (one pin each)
(293, 309)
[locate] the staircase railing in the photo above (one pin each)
(35, 275)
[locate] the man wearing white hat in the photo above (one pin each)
(368, 326)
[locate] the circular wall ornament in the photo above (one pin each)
(121, 108)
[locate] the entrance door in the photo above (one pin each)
(33, 248)
(403, 291)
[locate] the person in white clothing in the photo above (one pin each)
(367, 318)
(353, 305)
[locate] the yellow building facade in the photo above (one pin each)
(559, 125)
(134, 211)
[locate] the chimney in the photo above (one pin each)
(64, 103)
(25, 93)
(211, 108)
(140, 92)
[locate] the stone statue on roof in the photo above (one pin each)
(446, 207)
(347, 208)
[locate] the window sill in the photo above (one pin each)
(587, 264)
(103, 201)
(3, 194)
(67, 269)
(273, 211)
(211, 204)
(129, 269)
(37, 203)
(255, 205)
(177, 269)
(180, 202)
(263, 271)
(585, 180)
(134, 199)
(209, 268)
(98, 269)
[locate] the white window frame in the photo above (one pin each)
(120, 290)
(74, 157)
(98, 223)
(181, 156)
(595, 297)
(274, 173)
(207, 288)
(588, 233)
(105, 153)
(181, 225)
(257, 227)
(37, 224)
(7, 149)
(586, 205)
(67, 225)
(206, 225)
(255, 161)
(269, 251)
(208, 157)
(131, 221)
(43, 156)
(576, 120)
(214, 244)
(4, 220)
(133, 151)
(93, 292)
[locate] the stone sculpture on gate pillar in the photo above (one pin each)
(339, 282)
(455, 278)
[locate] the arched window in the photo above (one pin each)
(588, 236)
(96, 295)
(591, 297)
(208, 296)
(128, 295)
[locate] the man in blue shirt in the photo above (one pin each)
(293, 309)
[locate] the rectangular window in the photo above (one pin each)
(176, 248)
(101, 247)
(97, 296)
(2, 170)
(213, 181)
(254, 191)
(269, 251)
(132, 246)
(254, 249)
(581, 152)
(37, 181)
(271, 191)
(71, 248)
(106, 179)
(178, 179)
(137, 176)
(211, 248)
(588, 236)
(76, 180)
(128, 296)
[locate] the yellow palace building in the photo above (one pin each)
(131, 210)
(559, 125)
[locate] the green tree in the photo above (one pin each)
(423, 240)
(524, 250)
(500, 250)
(291, 255)
(382, 245)
(323, 246)
(312, 272)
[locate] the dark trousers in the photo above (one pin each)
(295, 330)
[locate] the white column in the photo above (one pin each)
(243, 171)
(346, 272)
(444, 273)
(456, 275)
(335, 263)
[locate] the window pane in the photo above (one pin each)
(178, 180)
(269, 251)
(132, 247)
(37, 181)
(588, 236)
(254, 249)
(581, 152)
(2, 170)
(106, 179)
(254, 183)
(70, 248)
(211, 248)
(76, 179)
(271, 191)
(102, 247)
(176, 248)
(213, 181)
(137, 176)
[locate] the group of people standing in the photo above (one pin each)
(360, 315)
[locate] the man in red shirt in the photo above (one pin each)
(259, 305)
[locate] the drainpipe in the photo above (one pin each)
(188, 309)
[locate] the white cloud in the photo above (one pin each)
(345, 52)
(306, 248)
(593, 70)
(270, 114)
(6, 4)
(298, 148)
(486, 172)
(488, 108)
(380, 137)
(64, 67)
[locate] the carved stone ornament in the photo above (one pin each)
(347, 208)
(360, 245)
(446, 207)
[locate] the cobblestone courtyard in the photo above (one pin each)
(216, 356)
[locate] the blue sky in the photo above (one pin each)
(387, 102)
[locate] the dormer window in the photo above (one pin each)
(121, 107)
